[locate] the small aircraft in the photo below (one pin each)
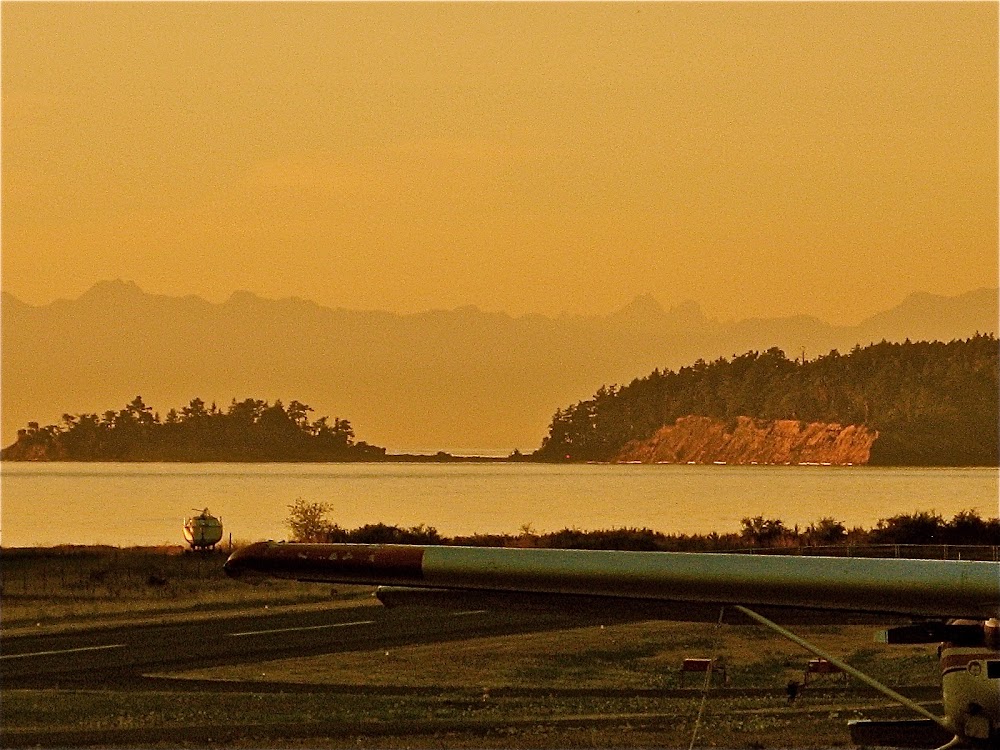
(952, 602)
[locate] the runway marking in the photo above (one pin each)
(469, 612)
(304, 627)
(61, 651)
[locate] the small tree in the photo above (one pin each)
(308, 522)
(826, 531)
(762, 532)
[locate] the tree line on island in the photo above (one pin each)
(310, 522)
(249, 430)
(932, 403)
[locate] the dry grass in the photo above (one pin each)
(629, 656)
(44, 586)
(447, 718)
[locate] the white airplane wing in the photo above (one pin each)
(689, 584)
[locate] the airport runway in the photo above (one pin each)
(120, 656)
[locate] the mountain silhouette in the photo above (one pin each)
(462, 380)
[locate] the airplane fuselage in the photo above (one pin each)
(970, 686)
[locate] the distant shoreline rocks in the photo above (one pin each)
(747, 441)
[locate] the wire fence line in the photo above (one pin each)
(984, 552)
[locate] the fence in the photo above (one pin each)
(987, 552)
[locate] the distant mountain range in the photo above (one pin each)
(462, 380)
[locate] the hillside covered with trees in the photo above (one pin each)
(249, 430)
(931, 403)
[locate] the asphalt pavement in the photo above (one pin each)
(120, 656)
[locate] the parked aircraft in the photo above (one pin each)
(956, 603)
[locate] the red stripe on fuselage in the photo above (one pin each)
(375, 563)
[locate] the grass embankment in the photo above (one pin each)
(63, 585)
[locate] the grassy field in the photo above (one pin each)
(63, 585)
(449, 718)
(613, 686)
(629, 657)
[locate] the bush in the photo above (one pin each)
(308, 522)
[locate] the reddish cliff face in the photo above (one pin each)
(703, 440)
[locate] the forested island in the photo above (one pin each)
(890, 404)
(903, 404)
(249, 430)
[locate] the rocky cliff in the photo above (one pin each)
(703, 440)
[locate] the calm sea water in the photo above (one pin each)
(139, 504)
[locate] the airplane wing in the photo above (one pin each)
(945, 600)
(674, 585)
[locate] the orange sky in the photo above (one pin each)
(763, 159)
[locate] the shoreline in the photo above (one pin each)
(408, 458)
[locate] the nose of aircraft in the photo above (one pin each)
(232, 569)
(240, 563)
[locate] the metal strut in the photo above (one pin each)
(871, 681)
(708, 678)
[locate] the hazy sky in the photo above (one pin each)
(759, 158)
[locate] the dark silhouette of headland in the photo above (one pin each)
(913, 404)
(460, 380)
(249, 430)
